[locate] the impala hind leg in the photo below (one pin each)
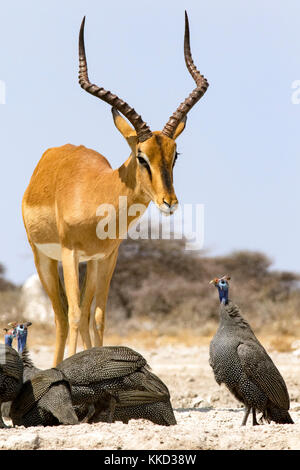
(106, 268)
(87, 293)
(71, 278)
(48, 274)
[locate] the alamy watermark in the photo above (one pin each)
(138, 222)
(2, 92)
(295, 98)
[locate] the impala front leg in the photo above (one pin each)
(105, 271)
(71, 278)
(48, 274)
(87, 294)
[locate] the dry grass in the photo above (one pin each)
(44, 335)
(281, 343)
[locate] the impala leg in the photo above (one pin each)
(106, 268)
(48, 274)
(70, 269)
(87, 294)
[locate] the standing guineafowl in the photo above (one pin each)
(11, 376)
(243, 365)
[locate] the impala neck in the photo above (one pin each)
(130, 185)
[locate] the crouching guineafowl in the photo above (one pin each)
(240, 362)
(11, 376)
(99, 384)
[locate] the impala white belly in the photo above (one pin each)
(53, 251)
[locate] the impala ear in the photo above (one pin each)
(126, 130)
(180, 128)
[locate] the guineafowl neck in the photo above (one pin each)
(29, 369)
(231, 317)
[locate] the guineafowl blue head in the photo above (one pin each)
(22, 335)
(222, 285)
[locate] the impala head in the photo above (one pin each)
(154, 152)
(154, 160)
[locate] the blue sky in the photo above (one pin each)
(240, 152)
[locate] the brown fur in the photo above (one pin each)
(59, 206)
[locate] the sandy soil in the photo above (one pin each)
(208, 416)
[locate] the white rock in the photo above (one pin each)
(28, 441)
(295, 344)
(35, 304)
(199, 402)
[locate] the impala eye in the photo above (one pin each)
(145, 164)
(142, 161)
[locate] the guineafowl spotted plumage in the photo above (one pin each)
(44, 400)
(11, 375)
(240, 362)
(101, 384)
(119, 377)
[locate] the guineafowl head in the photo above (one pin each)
(22, 335)
(222, 285)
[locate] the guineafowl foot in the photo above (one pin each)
(246, 414)
(111, 410)
(2, 423)
(89, 415)
(254, 421)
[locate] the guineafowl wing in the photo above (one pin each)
(10, 362)
(138, 397)
(101, 363)
(33, 390)
(144, 380)
(260, 368)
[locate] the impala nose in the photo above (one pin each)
(169, 207)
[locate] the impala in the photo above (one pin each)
(68, 185)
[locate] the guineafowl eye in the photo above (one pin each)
(223, 283)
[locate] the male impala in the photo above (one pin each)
(68, 185)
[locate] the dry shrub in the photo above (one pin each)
(160, 280)
(161, 290)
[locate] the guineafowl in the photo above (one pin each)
(11, 376)
(44, 399)
(240, 362)
(122, 376)
(102, 384)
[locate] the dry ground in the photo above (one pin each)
(208, 416)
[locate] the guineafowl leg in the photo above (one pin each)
(111, 410)
(246, 414)
(254, 421)
(90, 413)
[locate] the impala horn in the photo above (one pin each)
(142, 130)
(197, 93)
